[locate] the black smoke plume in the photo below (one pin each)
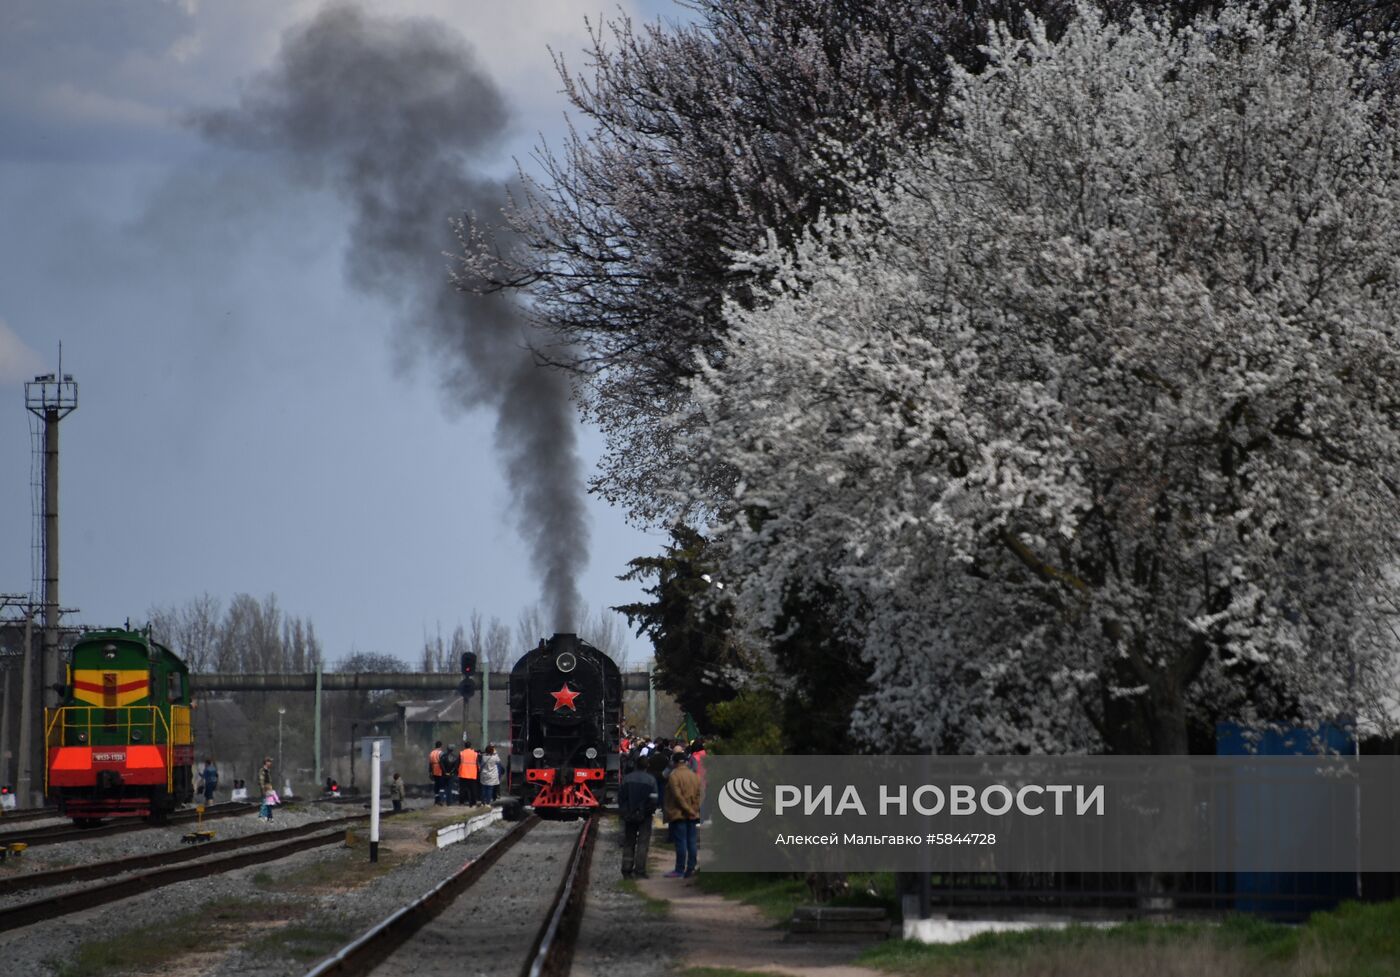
(395, 114)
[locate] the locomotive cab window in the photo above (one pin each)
(175, 687)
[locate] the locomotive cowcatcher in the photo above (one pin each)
(565, 711)
(121, 745)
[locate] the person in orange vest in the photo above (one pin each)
(435, 769)
(698, 754)
(467, 770)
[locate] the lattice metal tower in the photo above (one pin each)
(51, 398)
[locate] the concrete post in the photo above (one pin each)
(651, 701)
(374, 801)
(5, 715)
(50, 658)
(485, 708)
(316, 722)
(31, 720)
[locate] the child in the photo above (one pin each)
(396, 791)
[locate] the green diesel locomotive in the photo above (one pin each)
(121, 745)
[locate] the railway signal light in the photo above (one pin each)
(467, 686)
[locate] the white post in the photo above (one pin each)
(374, 802)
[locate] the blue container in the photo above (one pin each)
(1290, 894)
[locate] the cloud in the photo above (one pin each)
(110, 78)
(17, 361)
(66, 103)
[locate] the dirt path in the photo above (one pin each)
(717, 932)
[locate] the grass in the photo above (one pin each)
(776, 894)
(303, 942)
(217, 925)
(773, 895)
(650, 904)
(1356, 940)
(151, 947)
(226, 922)
(345, 868)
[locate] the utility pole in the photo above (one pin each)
(317, 721)
(30, 719)
(5, 727)
(281, 711)
(21, 692)
(485, 708)
(651, 699)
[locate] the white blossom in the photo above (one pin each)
(1095, 416)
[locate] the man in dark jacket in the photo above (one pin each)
(210, 779)
(636, 802)
(450, 761)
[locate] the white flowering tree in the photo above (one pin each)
(1095, 416)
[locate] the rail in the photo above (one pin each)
(90, 896)
(370, 948)
(553, 952)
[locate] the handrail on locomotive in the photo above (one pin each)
(155, 722)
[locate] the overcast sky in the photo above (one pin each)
(249, 420)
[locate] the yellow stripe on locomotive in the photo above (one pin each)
(109, 689)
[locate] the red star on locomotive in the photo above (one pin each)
(565, 697)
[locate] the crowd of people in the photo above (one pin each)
(465, 776)
(666, 776)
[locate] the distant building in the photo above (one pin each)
(418, 723)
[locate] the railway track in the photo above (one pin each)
(136, 863)
(20, 816)
(58, 833)
(551, 950)
(187, 864)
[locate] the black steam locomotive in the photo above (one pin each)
(565, 711)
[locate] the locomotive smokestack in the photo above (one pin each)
(394, 114)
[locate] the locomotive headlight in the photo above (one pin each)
(566, 661)
(537, 753)
(82, 737)
(591, 753)
(136, 736)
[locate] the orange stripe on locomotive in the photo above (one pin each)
(77, 766)
(110, 689)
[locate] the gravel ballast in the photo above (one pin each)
(279, 919)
